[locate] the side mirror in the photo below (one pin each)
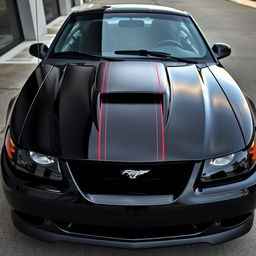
(38, 50)
(221, 50)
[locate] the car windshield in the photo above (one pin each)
(131, 35)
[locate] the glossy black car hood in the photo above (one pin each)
(131, 112)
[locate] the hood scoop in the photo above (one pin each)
(132, 77)
(131, 83)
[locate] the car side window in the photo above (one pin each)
(70, 41)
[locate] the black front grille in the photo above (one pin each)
(107, 178)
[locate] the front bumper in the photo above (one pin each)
(54, 214)
(51, 233)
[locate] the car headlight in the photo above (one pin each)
(226, 168)
(221, 161)
(31, 162)
(41, 159)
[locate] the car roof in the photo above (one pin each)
(131, 8)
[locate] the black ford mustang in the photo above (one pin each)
(130, 133)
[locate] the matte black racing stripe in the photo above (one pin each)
(161, 114)
(100, 117)
(156, 112)
(106, 114)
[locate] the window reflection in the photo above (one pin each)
(51, 9)
(10, 33)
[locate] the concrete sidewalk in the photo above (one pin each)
(249, 3)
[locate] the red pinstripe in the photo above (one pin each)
(161, 114)
(158, 78)
(156, 113)
(157, 143)
(106, 115)
(104, 76)
(99, 133)
(100, 117)
(163, 138)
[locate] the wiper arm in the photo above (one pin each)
(75, 54)
(82, 54)
(183, 59)
(143, 53)
(164, 55)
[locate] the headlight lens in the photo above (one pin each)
(31, 162)
(226, 167)
(41, 159)
(221, 161)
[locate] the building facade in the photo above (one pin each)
(18, 19)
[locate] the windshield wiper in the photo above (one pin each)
(83, 55)
(164, 55)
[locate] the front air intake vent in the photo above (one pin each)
(132, 98)
(109, 178)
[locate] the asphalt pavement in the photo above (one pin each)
(221, 21)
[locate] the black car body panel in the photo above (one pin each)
(130, 140)
(190, 118)
(237, 101)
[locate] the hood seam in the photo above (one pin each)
(241, 130)
(32, 104)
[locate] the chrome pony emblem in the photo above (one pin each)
(133, 174)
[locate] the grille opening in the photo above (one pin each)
(231, 222)
(134, 233)
(107, 178)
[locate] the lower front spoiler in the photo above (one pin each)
(51, 233)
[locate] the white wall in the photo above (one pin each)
(27, 11)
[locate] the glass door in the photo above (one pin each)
(10, 29)
(51, 10)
